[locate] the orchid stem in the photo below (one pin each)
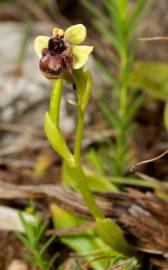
(78, 171)
(86, 193)
(78, 138)
(55, 101)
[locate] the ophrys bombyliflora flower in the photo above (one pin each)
(62, 52)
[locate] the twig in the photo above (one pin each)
(21, 129)
(148, 160)
(152, 38)
(139, 214)
(17, 149)
(18, 163)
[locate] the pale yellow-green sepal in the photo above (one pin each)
(40, 43)
(80, 55)
(75, 34)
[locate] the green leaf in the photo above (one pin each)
(117, 22)
(133, 107)
(67, 176)
(109, 160)
(33, 241)
(95, 160)
(113, 235)
(121, 8)
(37, 222)
(104, 71)
(92, 8)
(138, 11)
(99, 182)
(86, 243)
(52, 261)
(46, 245)
(95, 181)
(107, 33)
(130, 181)
(110, 115)
(80, 82)
(27, 226)
(28, 258)
(55, 99)
(84, 82)
(41, 230)
(87, 92)
(76, 265)
(23, 240)
(152, 77)
(56, 140)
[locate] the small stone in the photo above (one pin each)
(17, 265)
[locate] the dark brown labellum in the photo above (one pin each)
(56, 58)
(52, 67)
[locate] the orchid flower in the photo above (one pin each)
(62, 52)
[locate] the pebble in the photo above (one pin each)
(17, 265)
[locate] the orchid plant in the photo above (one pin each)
(63, 58)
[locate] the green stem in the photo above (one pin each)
(55, 101)
(78, 172)
(123, 100)
(86, 193)
(78, 137)
(51, 124)
(76, 167)
(123, 85)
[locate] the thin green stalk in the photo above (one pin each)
(123, 84)
(130, 181)
(78, 172)
(86, 193)
(55, 101)
(51, 123)
(78, 137)
(123, 102)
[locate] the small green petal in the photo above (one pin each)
(80, 55)
(75, 34)
(40, 43)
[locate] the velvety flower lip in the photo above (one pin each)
(62, 51)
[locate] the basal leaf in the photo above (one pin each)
(86, 243)
(113, 235)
